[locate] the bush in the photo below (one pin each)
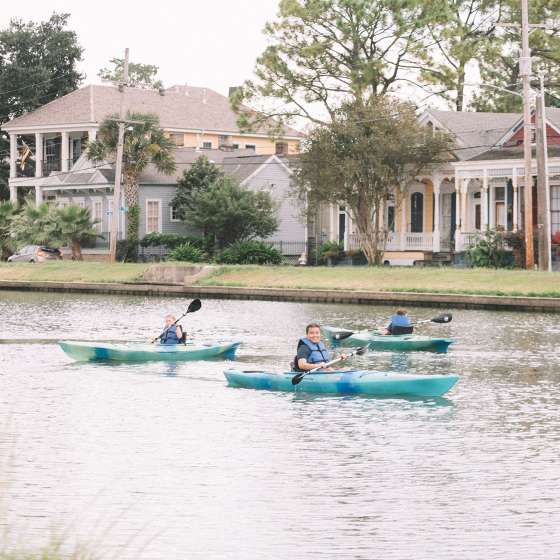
(187, 252)
(330, 250)
(249, 252)
(489, 251)
(556, 238)
(127, 251)
(170, 240)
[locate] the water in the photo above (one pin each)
(153, 461)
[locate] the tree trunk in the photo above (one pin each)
(76, 250)
(460, 88)
(371, 233)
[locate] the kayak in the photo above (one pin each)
(134, 352)
(396, 343)
(355, 382)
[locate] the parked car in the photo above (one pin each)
(35, 254)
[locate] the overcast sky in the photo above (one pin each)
(211, 43)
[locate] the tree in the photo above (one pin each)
(7, 213)
(323, 52)
(359, 160)
(201, 175)
(139, 75)
(74, 226)
(34, 225)
(37, 64)
(463, 32)
(226, 212)
(144, 144)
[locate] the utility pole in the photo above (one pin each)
(525, 72)
(118, 168)
(543, 188)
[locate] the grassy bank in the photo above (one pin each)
(69, 271)
(425, 280)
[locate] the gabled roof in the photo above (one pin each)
(179, 107)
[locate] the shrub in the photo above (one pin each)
(170, 240)
(330, 249)
(489, 251)
(187, 252)
(556, 238)
(249, 252)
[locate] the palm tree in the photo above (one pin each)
(74, 226)
(144, 144)
(7, 212)
(34, 225)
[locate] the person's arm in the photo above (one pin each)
(179, 332)
(306, 366)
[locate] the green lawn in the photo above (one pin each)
(71, 271)
(440, 280)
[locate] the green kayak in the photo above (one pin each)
(353, 382)
(134, 352)
(395, 343)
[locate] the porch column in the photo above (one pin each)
(436, 241)
(92, 134)
(402, 238)
(464, 190)
(13, 194)
(458, 236)
(484, 201)
(38, 195)
(13, 154)
(38, 154)
(65, 152)
(515, 199)
(492, 201)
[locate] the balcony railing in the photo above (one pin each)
(406, 241)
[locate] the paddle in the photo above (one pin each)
(194, 305)
(443, 318)
(298, 377)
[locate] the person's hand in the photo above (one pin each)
(343, 356)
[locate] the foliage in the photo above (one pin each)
(37, 64)
(324, 51)
(139, 75)
(329, 250)
(47, 225)
(145, 143)
(226, 212)
(133, 223)
(7, 213)
(127, 251)
(489, 251)
(170, 240)
(197, 178)
(249, 252)
(187, 252)
(357, 160)
(556, 238)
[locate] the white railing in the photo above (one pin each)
(469, 239)
(399, 242)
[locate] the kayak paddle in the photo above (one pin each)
(194, 305)
(443, 318)
(298, 377)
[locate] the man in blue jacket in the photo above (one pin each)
(400, 323)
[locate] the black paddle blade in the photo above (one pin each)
(362, 350)
(194, 305)
(443, 318)
(297, 378)
(342, 335)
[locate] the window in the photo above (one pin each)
(281, 149)
(97, 214)
(177, 139)
(223, 140)
(417, 212)
(79, 202)
(499, 194)
(153, 216)
(173, 214)
(235, 146)
(391, 218)
(206, 145)
(554, 208)
(250, 147)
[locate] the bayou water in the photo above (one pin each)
(165, 461)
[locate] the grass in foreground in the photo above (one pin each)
(397, 279)
(72, 271)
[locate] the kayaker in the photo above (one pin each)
(400, 323)
(312, 352)
(172, 334)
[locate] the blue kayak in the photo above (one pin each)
(354, 382)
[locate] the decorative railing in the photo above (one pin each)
(399, 241)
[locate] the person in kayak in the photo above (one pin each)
(172, 334)
(400, 323)
(311, 351)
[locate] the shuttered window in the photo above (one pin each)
(153, 216)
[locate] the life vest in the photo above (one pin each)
(400, 324)
(319, 353)
(169, 336)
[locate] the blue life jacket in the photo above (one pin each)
(169, 336)
(400, 324)
(319, 353)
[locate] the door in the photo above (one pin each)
(477, 220)
(417, 212)
(500, 215)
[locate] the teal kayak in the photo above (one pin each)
(355, 382)
(134, 352)
(395, 343)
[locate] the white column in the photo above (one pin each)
(492, 202)
(13, 154)
(515, 200)
(92, 134)
(402, 239)
(436, 182)
(38, 195)
(464, 204)
(484, 209)
(65, 152)
(13, 194)
(458, 236)
(38, 154)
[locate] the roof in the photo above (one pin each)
(513, 153)
(179, 107)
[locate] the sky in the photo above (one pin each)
(210, 43)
